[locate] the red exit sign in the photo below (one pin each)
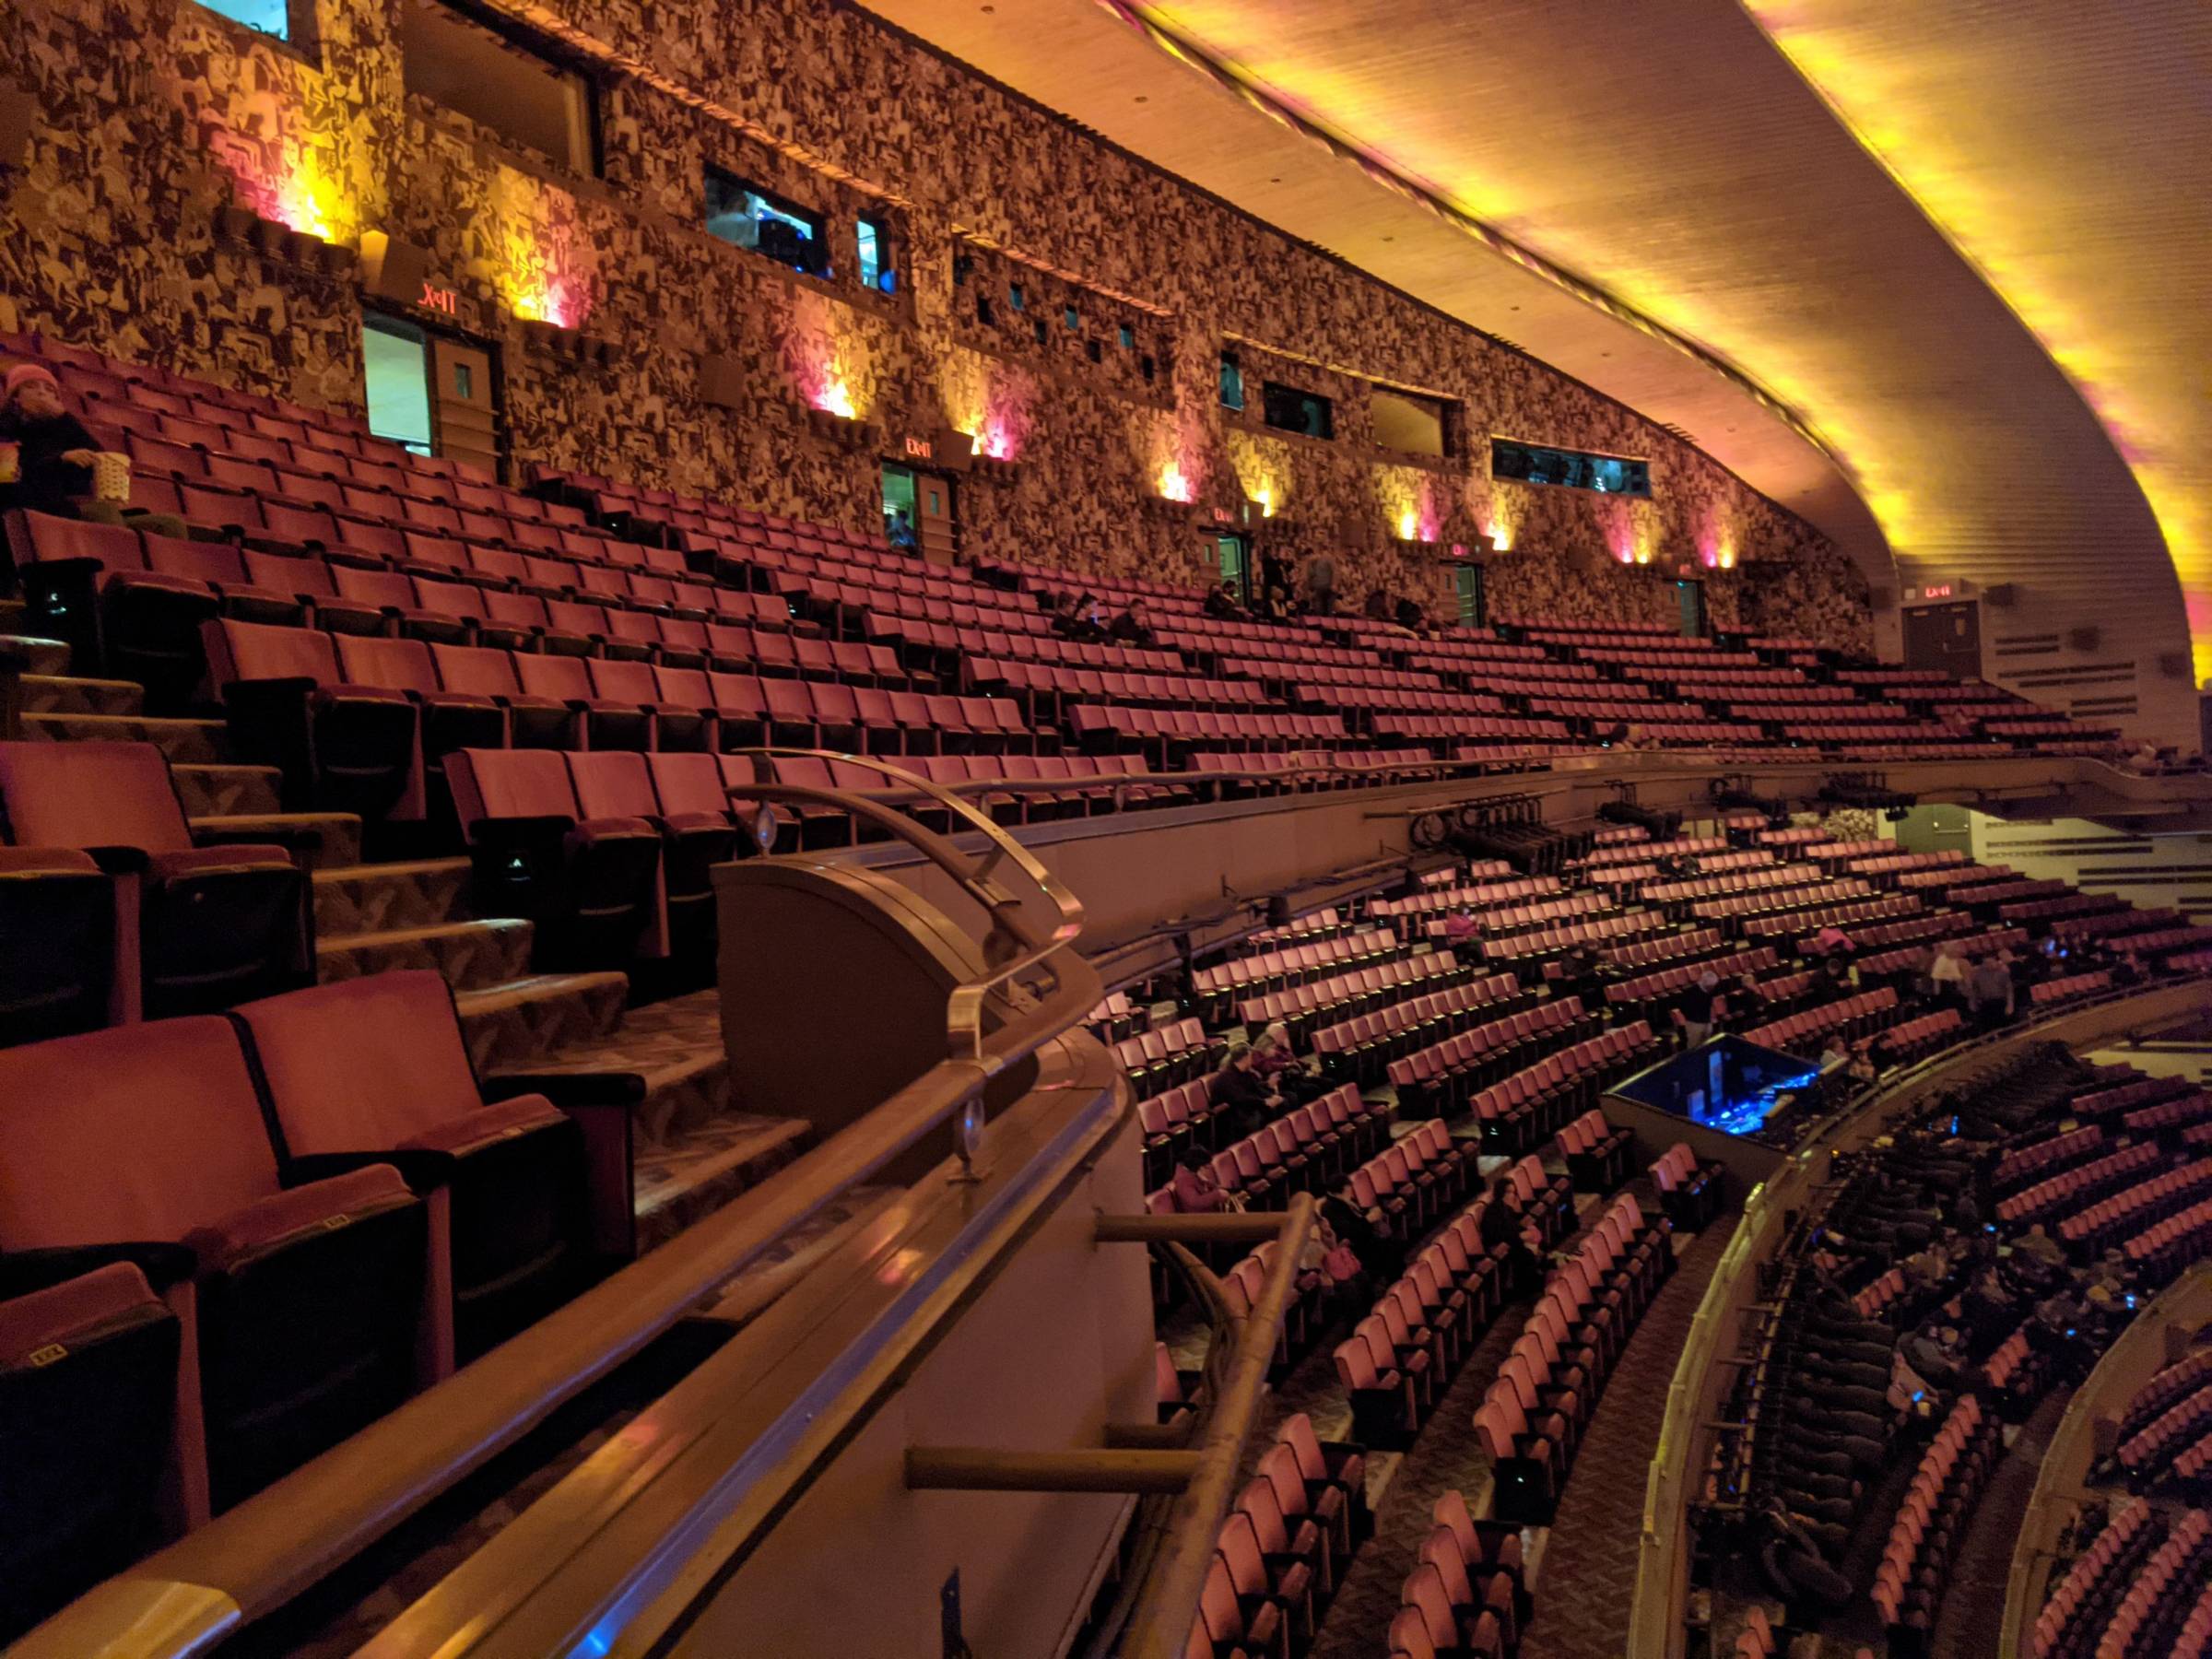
(1942, 589)
(921, 449)
(447, 302)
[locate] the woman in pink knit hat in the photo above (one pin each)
(54, 453)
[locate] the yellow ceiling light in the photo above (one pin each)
(1963, 121)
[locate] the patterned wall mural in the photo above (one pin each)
(157, 115)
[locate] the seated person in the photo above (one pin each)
(1131, 628)
(1378, 604)
(1198, 1190)
(1221, 603)
(54, 455)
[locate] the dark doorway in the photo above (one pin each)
(1947, 638)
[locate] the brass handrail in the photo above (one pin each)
(198, 1590)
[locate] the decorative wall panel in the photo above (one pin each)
(157, 114)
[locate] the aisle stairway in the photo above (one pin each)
(693, 1150)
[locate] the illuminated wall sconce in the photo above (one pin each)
(1502, 539)
(569, 344)
(279, 242)
(1175, 487)
(845, 431)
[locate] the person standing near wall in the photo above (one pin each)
(1321, 583)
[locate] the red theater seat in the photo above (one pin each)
(303, 1292)
(341, 747)
(205, 925)
(616, 784)
(376, 1066)
(87, 1386)
(592, 885)
(58, 946)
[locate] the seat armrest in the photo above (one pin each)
(24, 1271)
(423, 1170)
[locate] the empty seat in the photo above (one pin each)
(88, 1367)
(206, 927)
(341, 747)
(376, 1065)
(58, 944)
(618, 785)
(304, 1298)
(591, 886)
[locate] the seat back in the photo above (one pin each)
(481, 669)
(686, 783)
(362, 1065)
(390, 664)
(95, 793)
(612, 783)
(140, 1132)
(255, 651)
(510, 783)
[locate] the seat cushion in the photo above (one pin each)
(74, 1310)
(503, 1119)
(281, 1217)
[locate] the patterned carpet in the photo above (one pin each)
(1584, 1566)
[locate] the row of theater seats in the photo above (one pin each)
(1535, 1413)
(1691, 1192)
(1367, 1047)
(2142, 1588)
(227, 1242)
(1397, 1360)
(341, 470)
(111, 909)
(1924, 1540)
(1183, 1118)
(1306, 1009)
(1469, 1595)
(1444, 1079)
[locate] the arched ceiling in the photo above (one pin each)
(1673, 154)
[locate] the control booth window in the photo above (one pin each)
(1294, 410)
(748, 216)
(876, 270)
(501, 79)
(1534, 463)
(1410, 424)
(1232, 382)
(271, 17)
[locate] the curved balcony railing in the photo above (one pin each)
(1657, 1626)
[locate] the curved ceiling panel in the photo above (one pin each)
(1670, 154)
(2067, 151)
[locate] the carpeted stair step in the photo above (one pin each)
(377, 897)
(474, 955)
(324, 841)
(34, 654)
(70, 694)
(198, 742)
(226, 791)
(689, 1178)
(694, 1151)
(525, 1019)
(667, 1057)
